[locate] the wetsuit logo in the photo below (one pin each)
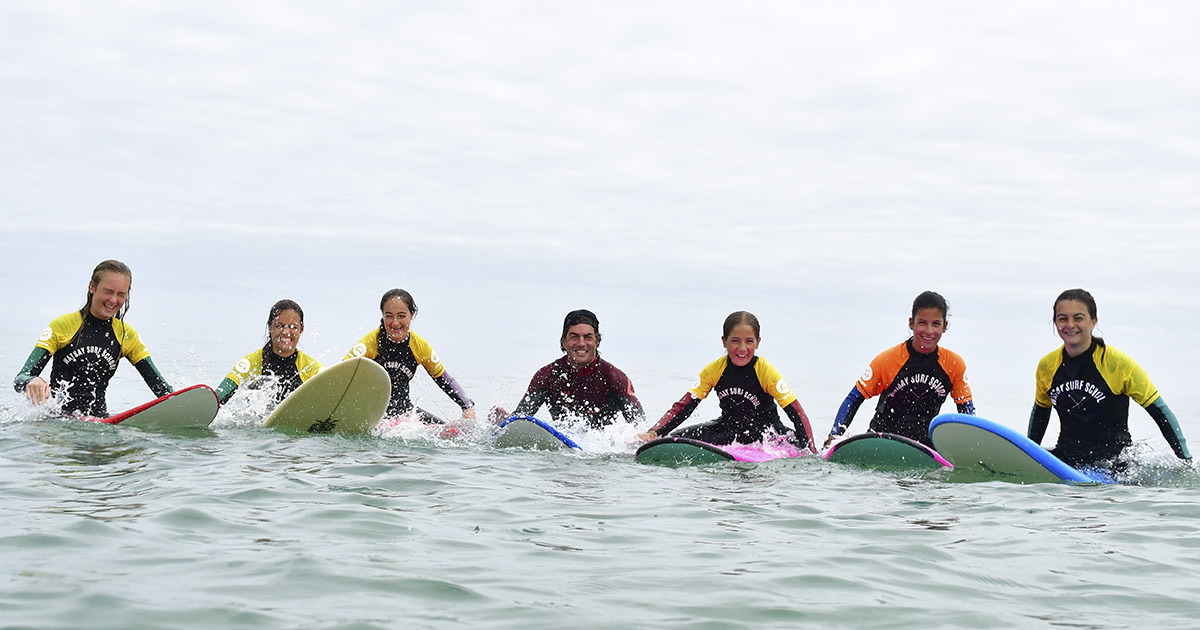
(935, 384)
(1076, 386)
(741, 393)
(782, 388)
(433, 357)
(242, 367)
(867, 375)
(95, 351)
(394, 366)
(359, 349)
(46, 334)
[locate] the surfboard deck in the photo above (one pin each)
(193, 407)
(525, 431)
(349, 397)
(680, 451)
(976, 444)
(886, 451)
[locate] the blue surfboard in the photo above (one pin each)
(975, 444)
(525, 431)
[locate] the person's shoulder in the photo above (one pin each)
(766, 369)
(1113, 356)
(716, 367)
(127, 329)
(304, 359)
(249, 364)
(416, 341)
(896, 353)
(718, 363)
(609, 369)
(254, 356)
(556, 366)
(67, 318)
(1051, 361)
(762, 363)
(948, 355)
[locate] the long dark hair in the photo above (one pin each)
(107, 266)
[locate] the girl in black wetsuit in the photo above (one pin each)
(278, 360)
(87, 346)
(400, 350)
(748, 389)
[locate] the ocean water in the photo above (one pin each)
(244, 527)
(247, 528)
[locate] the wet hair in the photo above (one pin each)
(107, 266)
(1082, 296)
(580, 316)
(403, 295)
(740, 317)
(1078, 295)
(279, 307)
(931, 299)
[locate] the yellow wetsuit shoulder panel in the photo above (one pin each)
(424, 354)
(772, 382)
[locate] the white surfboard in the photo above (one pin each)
(346, 397)
(190, 408)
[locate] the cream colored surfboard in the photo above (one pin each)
(346, 397)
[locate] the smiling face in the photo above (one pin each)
(108, 294)
(285, 333)
(927, 327)
(397, 318)
(740, 343)
(1075, 324)
(580, 342)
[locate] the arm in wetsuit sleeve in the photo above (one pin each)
(1165, 419)
(33, 367)
(967, 408)
(676, 415)
(532, 401)
(153, 378)
(625, 404)
(846, 412)
(800, 420)
(225, 390)
(632, 409)
(454, 390)
(1039, 419)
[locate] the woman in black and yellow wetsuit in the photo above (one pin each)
(279, 362)
(1090, 384)
(746, 386)
(912, 379)
(400, 350)
(87, 345)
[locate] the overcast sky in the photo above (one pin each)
(996, 151)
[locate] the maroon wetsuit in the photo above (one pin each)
(596, 393)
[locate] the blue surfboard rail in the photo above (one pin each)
(1034, 450)
(564, 438)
